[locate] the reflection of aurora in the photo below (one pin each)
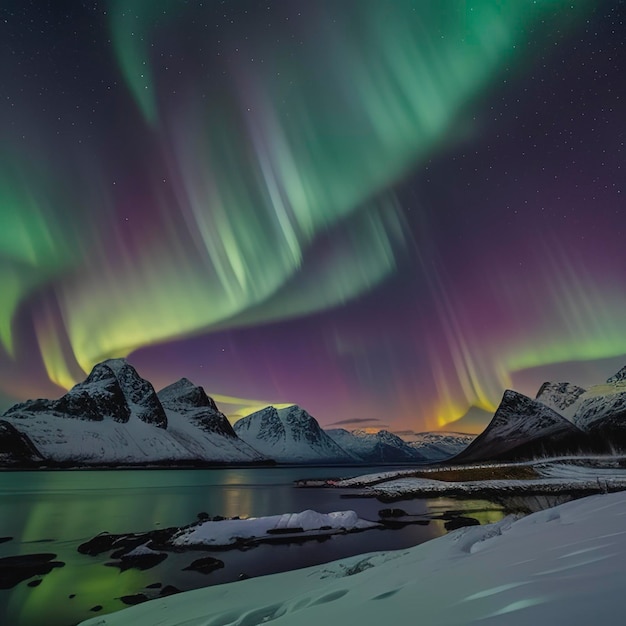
(71, 507)
(257, 183)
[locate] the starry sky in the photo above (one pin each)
(386, 212)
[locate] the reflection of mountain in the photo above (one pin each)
(290, 435)
(115, 417)
(563, 418)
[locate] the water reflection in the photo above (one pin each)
(70, 507)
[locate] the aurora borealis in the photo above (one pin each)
(380, 211)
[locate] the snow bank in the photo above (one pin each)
(230, 531)
(559, 474)
(560, 566)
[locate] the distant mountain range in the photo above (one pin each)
(380, 447)
(114, 418)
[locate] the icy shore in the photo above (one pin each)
(559, 566)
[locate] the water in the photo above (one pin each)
(57, 511)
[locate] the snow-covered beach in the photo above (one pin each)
(577, 475)
(559, 566)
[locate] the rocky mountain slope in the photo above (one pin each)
(195, 422)
(563, 418)
(115, 417)
(521, 427)
(599, 411)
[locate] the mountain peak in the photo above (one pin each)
(559, 396)
(519, 423)
(291, 435)
(191, 401)
(184, 392)
(118, 376)
(619, 377)
(116, 364)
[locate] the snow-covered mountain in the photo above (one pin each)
(619, 377)
(115, 417)
(380, 447)
(521, 427)
(438, 446)
(195, 421)
(559, 396)
(599, 411)
(290, 435)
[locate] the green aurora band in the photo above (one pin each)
(298, 153)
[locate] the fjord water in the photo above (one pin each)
(56, 511)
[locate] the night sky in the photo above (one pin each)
(386, 212)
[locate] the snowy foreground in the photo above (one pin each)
(560, 566)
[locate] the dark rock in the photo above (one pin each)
(96, 608)
(139, 392)
(243, 576)
(136, 598)
(100, 543)
(168, 590)
(35, 583)
(71, 596)
(15, 569)
(205, 565)
(203, 517)
(103, 397)
(138, 561)
(16, 449)
(126, 542)
(154, 586)
(5, 539)
(460, 522)
(285, 531)
(79, 405)
(392, 513)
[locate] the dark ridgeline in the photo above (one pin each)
(190, 400)
(593, 421)
(16, 449)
